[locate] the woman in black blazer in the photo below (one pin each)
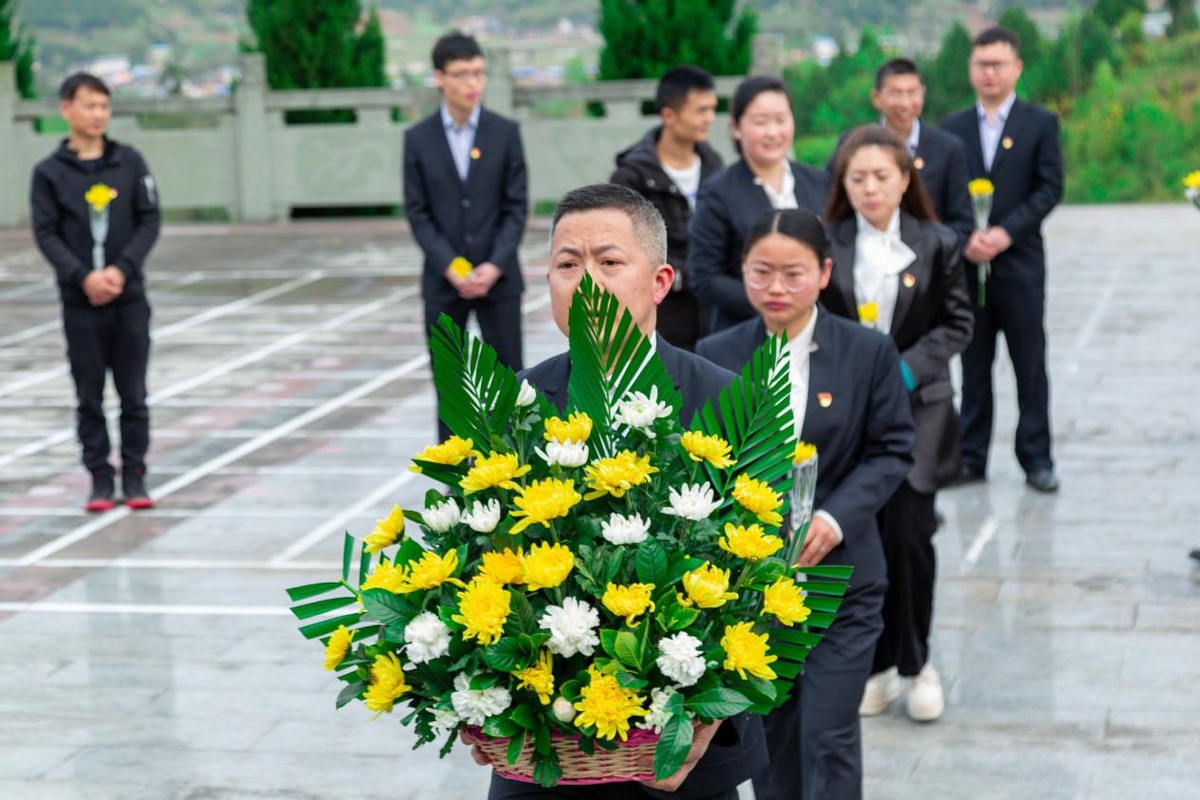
(731, 201)
(849, 401)
(898, 271)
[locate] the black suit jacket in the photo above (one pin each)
(739, 750)
(931, 323)
(729, 203)
(858, 417)
(942, 162)
(1028, 178)
(481, 218)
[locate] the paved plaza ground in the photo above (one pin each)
(151, 655)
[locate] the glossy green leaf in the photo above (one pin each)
(673, 746)
(316, 609)
(718, 703)
(297, 593)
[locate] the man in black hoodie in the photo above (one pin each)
(667, 167)
(94, 208)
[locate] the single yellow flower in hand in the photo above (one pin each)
(749, 542)
(542, 501)
(339, 644)
(868, 313)
(705, 447)
(547, 565)
(759, 499)
(451, 452)
(707, 586)
(785, 600)
(803, 452)
(497, 470)
(461, 267)
(628, 601)
(99, 196)
(747, 651)
(575, 428)
(980, 186)
(387, 531)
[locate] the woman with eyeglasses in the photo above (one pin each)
(848, 399)
(897, 271)
(731, 201)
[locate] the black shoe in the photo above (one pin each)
(101, 498)
(968, 475)
(1195, 554)
(136, 496)
(1042, 480)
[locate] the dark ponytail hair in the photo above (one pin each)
(795, 223)
(915, 200)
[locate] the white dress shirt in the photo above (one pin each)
(786, 196)
(990, 130)
(879, 258)
(914, 136)
(461, 140)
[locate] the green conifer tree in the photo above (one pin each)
(645, 38)
(17, 46)
(947, 82)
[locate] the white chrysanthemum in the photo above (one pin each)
(564, 454)
(444, 720)
(694, 501)
(483, 518)
(658, 717)
(474, 706)
(426, 638)
(680, 659)
(620, 529)
(526, 396)
(442, 516)
(639, 411)
(572, 627)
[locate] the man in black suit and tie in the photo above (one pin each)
(465, 200)
(1016, 146)
(616, 236)
(899, 97)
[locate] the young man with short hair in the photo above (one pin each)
(465, 200)
(95, 216)
(1016, 146)
(667, 167)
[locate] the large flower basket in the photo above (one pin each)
(589, 584)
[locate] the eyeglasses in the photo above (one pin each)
(760, 279)
(464, 75)
(991, 66)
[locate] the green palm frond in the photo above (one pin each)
(609, 355)
(476, 392)
(754, 414)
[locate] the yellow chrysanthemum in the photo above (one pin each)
(980, 186)
(498, 469)
(547, 565)
(386, 531)
(387, 683)
(628, 601)
(707, 586)
(1192, 180)
(785, 600)
(431, 571)
(99, 196)
(542, 501)
(706, 447)
(749, 542)
(608, 706)
(575, 428)
(758, 498)
(539, 678)
(803, 452)
(504, 568)
(451, 452)
(339, 644)
(483, 608)
(617, 475)
(868, 313)
(747, 651)
(461, 266)
(385, 576)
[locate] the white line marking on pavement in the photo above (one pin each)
(987, 532)
(149, 608)
(1092, 324)
(178, 563)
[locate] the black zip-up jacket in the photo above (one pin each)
(638, 168)
(61, 217)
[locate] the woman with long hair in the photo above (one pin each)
(849, 401)
(897, 271)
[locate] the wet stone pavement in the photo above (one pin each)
(151, 655)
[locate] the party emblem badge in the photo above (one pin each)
(1006, 143)
(909, 280)
(476, 152)
(919, 162)
(824, 399)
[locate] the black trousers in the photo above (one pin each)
(504, 789)
(499, 322)
(1018, 311)
(116, 338)
(815, 738)
(682, 320)
(907, 525)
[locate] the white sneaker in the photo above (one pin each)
(926, 702)
(883, 688)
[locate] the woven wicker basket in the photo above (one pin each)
(626, 762)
